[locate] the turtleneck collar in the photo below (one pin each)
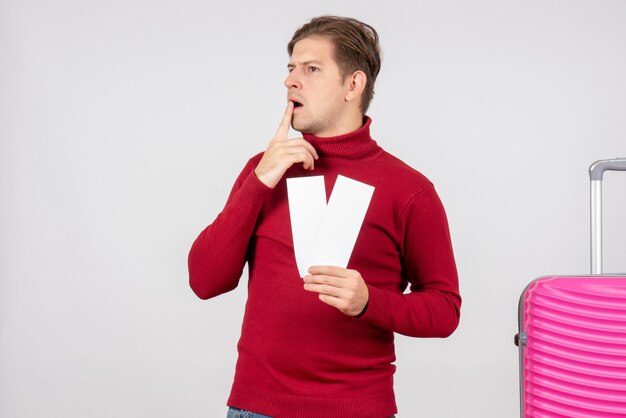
(355, 145)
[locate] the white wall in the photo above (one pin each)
(123, 124)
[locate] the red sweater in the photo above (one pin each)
(299, 357)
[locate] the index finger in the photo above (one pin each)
(283, 129)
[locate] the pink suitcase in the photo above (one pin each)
(572, 334)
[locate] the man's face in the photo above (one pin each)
(315, 85)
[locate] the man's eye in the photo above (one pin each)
(313, 69)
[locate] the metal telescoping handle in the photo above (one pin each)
(596, 174)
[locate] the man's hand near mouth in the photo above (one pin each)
(282, 153)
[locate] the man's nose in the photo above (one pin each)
(292, 80)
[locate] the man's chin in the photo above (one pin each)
(300, 127)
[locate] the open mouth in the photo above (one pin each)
(296, 104)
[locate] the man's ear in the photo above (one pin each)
(356, 85)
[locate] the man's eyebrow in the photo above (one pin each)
(291, 65)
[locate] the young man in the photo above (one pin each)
(322, 345)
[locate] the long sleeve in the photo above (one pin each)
(329, 364)
(218, 254)
(432, 308)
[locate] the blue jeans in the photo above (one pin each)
(238, 413)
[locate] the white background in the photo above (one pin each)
(123, 124)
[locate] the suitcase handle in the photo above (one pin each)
(597, 169)
(596, 174)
